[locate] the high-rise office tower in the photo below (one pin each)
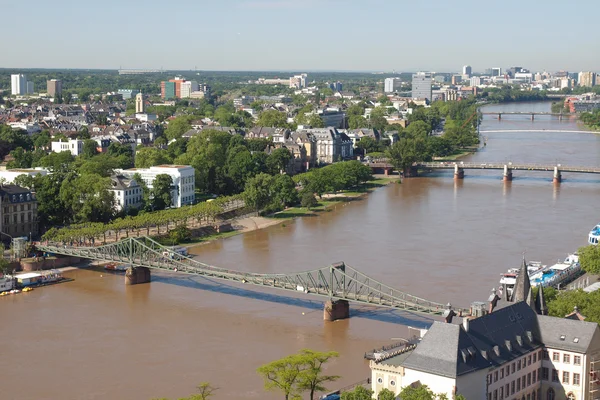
(467, 70)
(421, 85)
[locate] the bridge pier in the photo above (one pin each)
(336, 309)
(459, 173)
(499, 116)
(507, 176)
(532, 117)
(137, 275)
(557, 178)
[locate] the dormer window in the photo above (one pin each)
(508, 345)
(562, 337)
(497, 351)
(520, 340)
(576, 340)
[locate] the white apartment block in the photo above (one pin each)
(391, 85)
(75, 146)
(183, 176)
(128, 193)
(514, 352)
(187, 88)
(9, 175)
(298, 81)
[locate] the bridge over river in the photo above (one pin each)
(339, 283)
(459, 168)
(499, 114)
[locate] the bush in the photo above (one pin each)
(180, 234)
(308, 200)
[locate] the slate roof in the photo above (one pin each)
(577, 334)
(492, 340)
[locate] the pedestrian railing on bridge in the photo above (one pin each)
(337, 281)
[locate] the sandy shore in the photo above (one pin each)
(249, 224)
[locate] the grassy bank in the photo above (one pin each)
(331, 200)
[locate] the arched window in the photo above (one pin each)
(571, 396)
(550, 394)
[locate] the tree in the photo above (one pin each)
(311, 377)
(89, 148)
(357, 122)
(257, 193)
(368, 145)
(386, 394)
(145, 191)
(278, 160)
(161, 192)
(315, 121)
(88, 198)
(206, 391)
(418, 129)
(283, 375)
(272, 118)
(180, 234)
(421, 392)
(359, 393)
(177, 127)
(150, 156)
(308, 200)
(406, 151)
(589, 258)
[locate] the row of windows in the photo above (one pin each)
(16, 208)
(566, 359)
(515, 366)
(187, 199)
(566, 376)
(16, 218)
(550, 395)
(514, 387)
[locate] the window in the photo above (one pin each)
(533, 395)
(550, 394)
(501, 392)
(566, 358)
(507, 390)
(496, 394)
(555, 356)
(379, 380)
(518, 365)
(576, 379)
(533, 376)
(501, 373)
(545, 374)
(546, 355)
(571, 396)
(523, 381)
(392, 383)
(529, 379)
(507, 370)
(555, 376)
(577, 360)
(529, 360)
(512, 387)
(518, 384)
(512, 368)
(496, 376)
(534, 357)
(565, 377)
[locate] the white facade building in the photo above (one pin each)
(391, 85)
(9, 175)
(18, 84)
(183, 176)
(421, 85)
(188, 87)
(298, 81)
(128, 193)
(75, 146)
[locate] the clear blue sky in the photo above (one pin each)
(356, 35)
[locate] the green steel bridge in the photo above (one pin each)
(335, 282)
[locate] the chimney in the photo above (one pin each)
(493, 300)
(465, 324)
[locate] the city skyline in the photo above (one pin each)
(311, 35)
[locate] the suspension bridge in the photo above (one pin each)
(339, 283)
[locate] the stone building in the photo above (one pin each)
(513, 351)
(19, 212)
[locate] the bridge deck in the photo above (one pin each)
(338, 281)
(513, 166)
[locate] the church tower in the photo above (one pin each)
(139, 103)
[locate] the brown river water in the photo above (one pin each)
(95, 338)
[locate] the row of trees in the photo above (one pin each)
(508, 93)
(142, 223)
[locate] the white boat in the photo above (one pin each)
(7, 283)
(175, 252)
(557, 273)
(509, 278)
(594, 235)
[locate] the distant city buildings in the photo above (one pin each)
(391, 85)
(128, 93)
(179, 88)
(19, 85)
(54, 87)
(496, 71)
(467, 71)
(421, 85)
(587, 79)
(74, 146)
(298, 81)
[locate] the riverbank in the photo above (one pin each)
(326, 203)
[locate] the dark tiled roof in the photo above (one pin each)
(567, 334)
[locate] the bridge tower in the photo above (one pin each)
(557, 176)
(336, 309)
(507, 176)
(459, 173)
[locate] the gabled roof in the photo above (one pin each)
(566, 334)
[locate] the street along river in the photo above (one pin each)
(446, 241)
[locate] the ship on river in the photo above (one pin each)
(543, 275)
(594, 235)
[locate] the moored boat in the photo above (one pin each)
(116, 267)
(594, 235)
